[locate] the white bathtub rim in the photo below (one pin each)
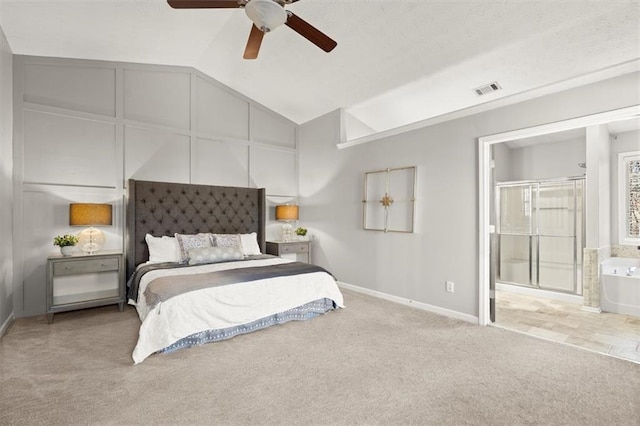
(617, 266)
(619, 292)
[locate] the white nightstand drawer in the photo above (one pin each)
(85, 266)
(294, 248)
(290, 249)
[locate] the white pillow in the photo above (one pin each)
(162, 249)
(249, 244)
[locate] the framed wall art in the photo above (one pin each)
(389, 199)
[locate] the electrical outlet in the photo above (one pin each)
(450, 287)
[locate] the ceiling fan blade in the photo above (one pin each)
(253, 44)
(310, 32)
(204, 4)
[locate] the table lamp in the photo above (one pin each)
(286, 213)
(90, 240)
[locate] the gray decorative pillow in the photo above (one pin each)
(190, 242)
(226, 240)
(214, 255)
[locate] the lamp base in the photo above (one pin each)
(90, 240)
(287, 232)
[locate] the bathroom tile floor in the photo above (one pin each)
(608, 333)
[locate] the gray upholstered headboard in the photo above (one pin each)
(160, 208)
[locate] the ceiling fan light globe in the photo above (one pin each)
(266, 14)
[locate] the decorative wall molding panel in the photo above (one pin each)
(83, 128)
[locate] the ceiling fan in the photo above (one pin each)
(266, 15)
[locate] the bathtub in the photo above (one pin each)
(620, 286)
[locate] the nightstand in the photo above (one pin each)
(282, 248)
(84, 281)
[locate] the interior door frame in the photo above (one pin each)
(484, 186)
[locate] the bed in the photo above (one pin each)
(197, 269)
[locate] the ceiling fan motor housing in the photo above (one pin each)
(266, 14)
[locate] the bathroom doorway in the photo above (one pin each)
(487, 179)
(566, 319)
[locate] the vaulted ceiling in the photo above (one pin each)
(396, 62)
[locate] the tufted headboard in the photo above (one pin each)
(160, 208)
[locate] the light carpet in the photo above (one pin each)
(374, 362)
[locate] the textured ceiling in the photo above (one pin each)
(396, 62)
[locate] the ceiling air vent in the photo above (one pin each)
(488, 88)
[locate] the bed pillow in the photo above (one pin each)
(226, 240)
(249, 244)
(162, 249)
(189, 242)
(198, 256)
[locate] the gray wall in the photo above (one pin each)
(445, 244)
(84, 127)
(6, 183)
(547, 160)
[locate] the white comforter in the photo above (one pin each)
(223, 306)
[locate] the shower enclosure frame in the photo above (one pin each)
(534, 233)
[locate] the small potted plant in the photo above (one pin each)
(302, 234)
(66, 243)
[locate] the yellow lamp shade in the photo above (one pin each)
(287, 212)
(90, 239)
(90, 214)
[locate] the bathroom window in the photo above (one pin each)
(629, 197)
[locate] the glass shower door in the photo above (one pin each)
(516, 227)
(517, 257)
(559, 209)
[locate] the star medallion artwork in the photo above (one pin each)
(386, 200)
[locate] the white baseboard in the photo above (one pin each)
(5, 326)
(412, 303)
(590, 309)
